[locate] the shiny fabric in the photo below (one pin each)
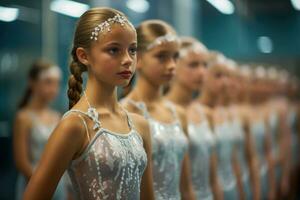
(258, 131)
(111, 167)
(239, 140)
(201, 143)
(169, 145)
(38, 137)
(224, 146)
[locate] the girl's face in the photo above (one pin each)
(112, 58)
(233, 88)
(158, 64)
(216, 79)
(191, 70)
(46, 87)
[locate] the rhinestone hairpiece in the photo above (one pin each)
(196, 48)
(106, 25)
(163, 39)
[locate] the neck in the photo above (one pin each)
(146, 91)
(102, 96)
(207, 99)
(37, 103)
(180, 94)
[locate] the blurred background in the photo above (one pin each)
(255, 32)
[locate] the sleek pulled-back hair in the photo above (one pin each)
(149, 30)
(82, 38)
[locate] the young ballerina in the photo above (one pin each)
(236, 90)
(157, 56)
(34, 123)
(190, 73)
(224, 133)
(104, 148)
(261, 133)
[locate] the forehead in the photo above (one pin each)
(166, 47)
(120, 34)
(198, 55)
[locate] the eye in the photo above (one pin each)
(193, 65)
(133, 50)
(176, 56)
(113, 50)
(162, 57)
(204, 64)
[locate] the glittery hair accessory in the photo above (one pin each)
(195, 48)
(106, 25)
(163, 39)
(53, 71)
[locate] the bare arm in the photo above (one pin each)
(252, 162)
(270, 162)
(285, 151)
(238, 173)
(214, 181)
(63, 145)
(186, 186)
(21, 133)
(147, 192)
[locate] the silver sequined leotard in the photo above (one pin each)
(111, 166)
(169, 144)
(201, 144)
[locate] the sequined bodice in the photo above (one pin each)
(258, 131)
(239, 138)
(169, 145)
(112, 165)
(201, 142)
(39, 136)
(224, 148)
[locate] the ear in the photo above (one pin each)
(82, 56)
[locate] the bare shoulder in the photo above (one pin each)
(23, 118)
(141, 124)
(126, 103)
(23, 115)
(71, 128)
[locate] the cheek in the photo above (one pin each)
(153, 68)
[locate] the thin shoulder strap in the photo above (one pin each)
(141, 106)
(92, 114)
(129, 120)
(86, 127)
(79, 114)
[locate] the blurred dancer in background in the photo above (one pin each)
(158, 52)
(35, 122)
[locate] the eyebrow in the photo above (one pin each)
(118, 44)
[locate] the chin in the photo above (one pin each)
(123, 83)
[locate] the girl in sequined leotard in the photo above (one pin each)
(34, 124)
(158, 52)
(190, 73)
(105, 150)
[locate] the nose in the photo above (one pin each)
(127, 60)
(201, 71)
(171, 65)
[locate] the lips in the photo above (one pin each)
(125, 74)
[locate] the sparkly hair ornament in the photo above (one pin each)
(52, 72)
(106, 25)
(195, 48)
(163, 39)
